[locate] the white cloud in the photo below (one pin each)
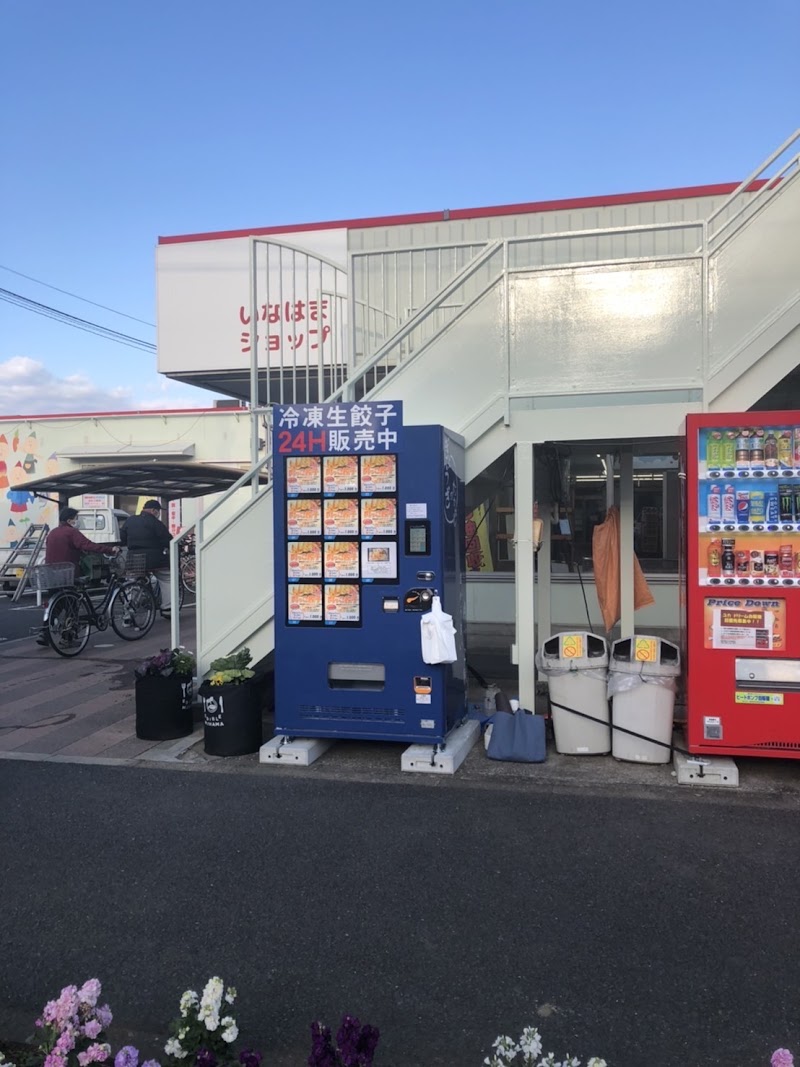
(27, 387)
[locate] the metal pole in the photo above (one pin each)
(626, 541)
(524, 572)
(254, 358)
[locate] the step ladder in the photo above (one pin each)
(23, 558)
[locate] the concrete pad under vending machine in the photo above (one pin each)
(717, 771)
(299, 752)
(446, 759)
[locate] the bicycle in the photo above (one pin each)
(71, 614)
(138, 570)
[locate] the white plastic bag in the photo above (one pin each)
(438, 635)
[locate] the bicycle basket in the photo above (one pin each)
(117, 564)
(53, 576)
(136, 564)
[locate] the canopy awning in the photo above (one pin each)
(154, 478)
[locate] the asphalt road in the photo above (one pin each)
(657, 932)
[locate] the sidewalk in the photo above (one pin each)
(82, 710)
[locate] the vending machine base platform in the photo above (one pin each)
(713, 771)
(294, 752)
(425, 759)
(442, 759)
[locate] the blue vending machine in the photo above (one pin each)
(369, 526)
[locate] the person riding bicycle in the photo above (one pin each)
(66, 544)
(146, 533)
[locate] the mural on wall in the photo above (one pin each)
(20, 462)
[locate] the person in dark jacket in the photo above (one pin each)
(146, 533)
(65, 544)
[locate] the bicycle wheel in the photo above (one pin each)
(189, 574)
(69, 622)
(133, 610)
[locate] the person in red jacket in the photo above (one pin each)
(64, 545)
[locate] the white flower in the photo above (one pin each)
(571, 1061)
(184, 1030)
(230, 994)
(174, 1048)
(231, 1030)
(189, 1000)
(548, 1061)
(530, 1043)
(595, 1061)
(506, 1048)
(210, 1003)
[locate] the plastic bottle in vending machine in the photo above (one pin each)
(772, 506)
(758, 506)
(796, 448)
(786, 561)
(743, 449)
(728, 456)
(714, 504)
(771, 451)
(757, 449)
(729, 504)
(785, 449)
(743, 505)
(786, 502)
(728, 557)
(714, 563)
(714, 450)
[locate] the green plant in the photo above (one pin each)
(167, 662)
(231, 669)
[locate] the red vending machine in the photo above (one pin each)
(743, 584)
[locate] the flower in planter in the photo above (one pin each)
(202, 1035)
(232, 669)
(71, 1025)
(355, 1044)
(166, 663)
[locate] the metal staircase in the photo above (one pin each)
(471, 358)
(16, 569)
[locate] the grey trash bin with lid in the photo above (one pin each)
(576, 668)
(642, 680)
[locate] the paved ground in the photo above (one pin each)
(626, 915)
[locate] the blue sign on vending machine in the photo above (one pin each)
(369, 526)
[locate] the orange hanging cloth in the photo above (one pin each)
(605, 557)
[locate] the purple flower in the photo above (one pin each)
(322, 1054)
(151, 1063)
(89, 992)
(782, 1057)
(128, 1056)
(357, 1043)
(248, 1057)
(104, 1016)
(205, 1058)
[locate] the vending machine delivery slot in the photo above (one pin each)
(368, 528)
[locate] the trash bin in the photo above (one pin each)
(576, 668)
(641, 685)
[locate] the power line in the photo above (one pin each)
(72, 320)
(66, 292)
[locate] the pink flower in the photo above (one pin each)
(55, 1059)
(94, 1054)
(93, 1029)
(49, 1013)
(66, 1005)
(89, 992)
(66, 1041)
(782, 1057)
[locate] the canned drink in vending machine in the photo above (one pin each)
(743, 563)
(714, 504)
(757, 562)
(772, 506)
(743, 505)
(771, 564)
(786, 561)
(786, 502)
(758, 506)
(729, 504)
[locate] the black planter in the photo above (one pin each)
(232, 718)
(164, 707)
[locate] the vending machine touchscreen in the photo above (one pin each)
(369, 527)
(743, 584)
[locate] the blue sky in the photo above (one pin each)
(123, 121)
